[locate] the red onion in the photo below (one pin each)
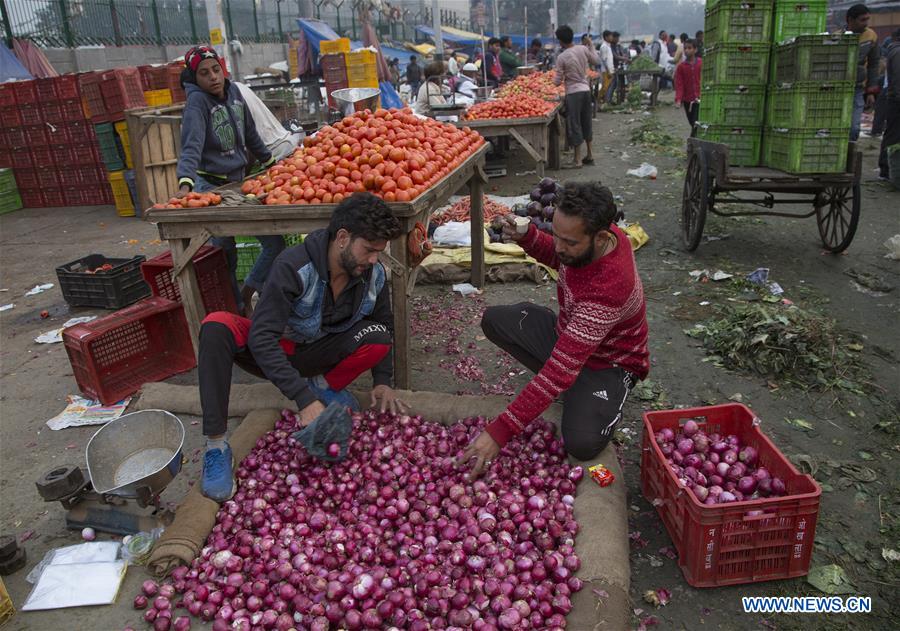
(690, 428)
(748, 456)
(726, 496)
(730, 456)
(162, 624)
(700, 491)
(182, 623)
(778, 487)
(747, 484)
(150, 588)
(760, 474)
(764, 487)
(716, 480)
(150, 615)
(140, 601)
(685, 446)
(167, 591)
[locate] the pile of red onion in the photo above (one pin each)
(394, 536)
(717, 469)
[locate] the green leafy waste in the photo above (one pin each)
(785, 343)
(651, 134)
(643, 62)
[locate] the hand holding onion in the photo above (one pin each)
(483, 449)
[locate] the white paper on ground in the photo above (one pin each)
(88, 552)
(76, 585)
(55, 335)
(37, 289)
(81, 411)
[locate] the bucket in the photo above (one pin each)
(350, 100)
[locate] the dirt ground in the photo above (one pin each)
(856, 520)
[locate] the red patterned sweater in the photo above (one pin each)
(602, 323)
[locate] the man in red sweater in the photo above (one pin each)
(595, 351)
(687, 82)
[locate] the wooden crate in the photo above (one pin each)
(155, 139)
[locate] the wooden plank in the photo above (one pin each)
(553, 138)
(400, 307)
(136, 136)
(189, 287)
(188, 255)
(537, 157)
(476, 205)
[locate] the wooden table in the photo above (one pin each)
(539, 137)
(188, 229)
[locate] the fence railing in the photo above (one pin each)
(72, 23)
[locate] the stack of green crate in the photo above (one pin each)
(738, 39)
(9, 192)
(249, 249)
(810, 103)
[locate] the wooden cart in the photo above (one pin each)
(635, 75)
(188, 229)
(540, 137)
(154, 135)
(709, 180)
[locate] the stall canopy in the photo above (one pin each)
(317, 31)
(11, 69)
(454, 36)
(399, 53)
(522, 42)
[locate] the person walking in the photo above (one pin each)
(571, 71)
(413, 77)
(687, 83)
(698, 37)
(867, 86)
(891, 135)
(679, 51)
(607, 66)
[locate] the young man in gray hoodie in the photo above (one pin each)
(219, 143)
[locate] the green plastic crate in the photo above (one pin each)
(729, 104)
(8, 182)
(810, 104)
(806, 150)
(746, 64)
(793, 18)
(828, 57)
(738, 21)
(110, 148)
(249, 249)
(743, 142)
(10, 201)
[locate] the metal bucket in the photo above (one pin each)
(350, 100)
(136, 455)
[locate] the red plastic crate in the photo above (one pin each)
(46, 90)
(26, 92)
(212, 275)
(67, 87)
(35, 134)
(63, 154)
(10, 117)
(51, 111)
(14, 137)
(19, 158)
(85, 176)
(76, 132)
(53, 197)
(154, 77)
(85, 154)
(89, 85)
(72, 110)
(30, 114)
(35, 177)
(7, 95)
(42, 156)
(173, 82)
(31, 197)
(83, 195)
(724, 544)
(113, 357)
(122, 90)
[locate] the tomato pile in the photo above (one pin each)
(539, 84)
(99, 270)
(192, 200)
(519, 106)
(461, 211)
(391, 153)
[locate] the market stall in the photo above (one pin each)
(538, 136)
(187, 230)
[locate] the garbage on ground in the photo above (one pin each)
(718, 275)
(646, 170)
(55, 335)
(7, 307)
(760, 276)
(81, 411)
(870, 281)
(39, 289)
(76, 585)
(466, 289)
(830, 579)
(91, 552)
(136, 548)
(454, 233)
(893, 246)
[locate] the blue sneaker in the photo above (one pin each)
(218, 481)
(328, 396)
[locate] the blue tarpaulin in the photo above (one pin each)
(403, 55)
(389, 96)
(317, 31)
(521, 42)
(10, 67)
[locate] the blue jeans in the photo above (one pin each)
(272, 246)
(859, 104)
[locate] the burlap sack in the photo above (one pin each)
(196, 515)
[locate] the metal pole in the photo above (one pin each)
(438, 34)
(255, 20)
(337, 11)
(7, 25)
(554, 16)
(483, 56)
(67, 27)
(496, 21)
(156, 22)
(280, 30)
(215, 21)
(526, 35)
(114, 19)
(353, 23)
(193, 21)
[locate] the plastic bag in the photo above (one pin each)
(331, 426)
(136, 548)
(645, 170)
(90, 552)
(454, 233)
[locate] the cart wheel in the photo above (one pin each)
(837, 213)
(694, 200)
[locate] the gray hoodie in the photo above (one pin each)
(217, 137)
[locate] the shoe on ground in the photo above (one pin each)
(328, 396)
(218, 480)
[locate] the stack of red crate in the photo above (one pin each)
(173, 82)
(121, 89)
(49, 143)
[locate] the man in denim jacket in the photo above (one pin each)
(323, 319)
